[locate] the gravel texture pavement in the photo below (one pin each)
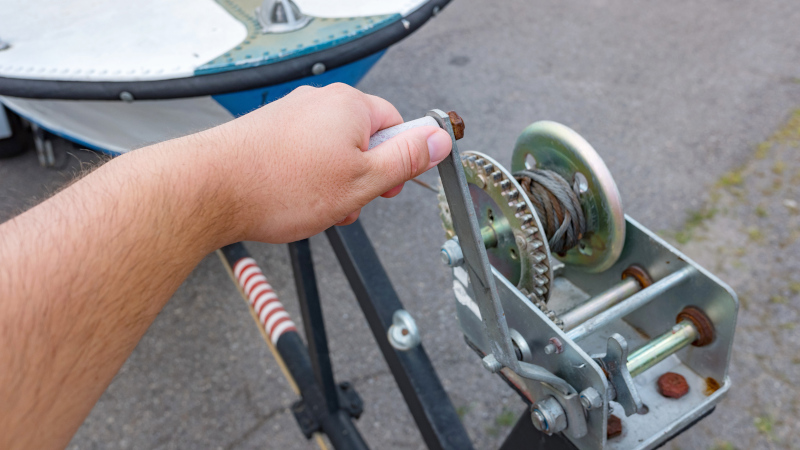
(689, 103)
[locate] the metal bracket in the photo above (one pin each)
(615, 363)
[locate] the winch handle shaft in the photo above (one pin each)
(387, 133)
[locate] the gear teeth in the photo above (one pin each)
(494, 179)
(530, 231)
(512, 195)
(536, 300)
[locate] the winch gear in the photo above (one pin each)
(514, 237)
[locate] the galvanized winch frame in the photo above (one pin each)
(547, 366)
(553, 369)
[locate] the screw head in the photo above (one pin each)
(318, 68)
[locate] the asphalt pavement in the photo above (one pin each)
(689, 103)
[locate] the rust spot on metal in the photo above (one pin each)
(639, 274)
(711, 386)
(614, 426)
(673, 385)
(703, 325)
(458, 124)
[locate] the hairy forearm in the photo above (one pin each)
(85, 273)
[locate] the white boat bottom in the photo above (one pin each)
(118, 127)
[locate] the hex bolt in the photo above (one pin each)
(539, 422)
(614, 427)
(458, 124)
(591, 399)
(451, 253)
(548, 416)
(673, 385)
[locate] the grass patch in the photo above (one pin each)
(463, 410)
(761, 211)
(731, 179)
(505, 419)
(778, 299)
(764, 425)
(723, 445)
(696, 219)
(755, 234)
(779, 167)
(794, 286)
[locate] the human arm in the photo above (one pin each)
(83, 274)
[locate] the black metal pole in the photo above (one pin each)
(427, 400)
(308, 295)
(337, 425)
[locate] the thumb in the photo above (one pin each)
(407, 155)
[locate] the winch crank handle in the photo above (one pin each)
(476, 261)
(387, 133)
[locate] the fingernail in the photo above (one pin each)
(439, 145)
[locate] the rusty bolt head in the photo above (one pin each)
(614, 428)
(672, 385)
(458, 124)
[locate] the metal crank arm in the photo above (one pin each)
(476, 263)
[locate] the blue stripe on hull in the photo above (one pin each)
(238, 103)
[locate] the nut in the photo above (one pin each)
(702, 324)
(614, 426)
(591, 399)
(672, 385)
(458, 124)
(639, 274)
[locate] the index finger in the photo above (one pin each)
(382, 114)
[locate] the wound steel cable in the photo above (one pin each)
(558, 206)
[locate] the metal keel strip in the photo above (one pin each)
(269, 310)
